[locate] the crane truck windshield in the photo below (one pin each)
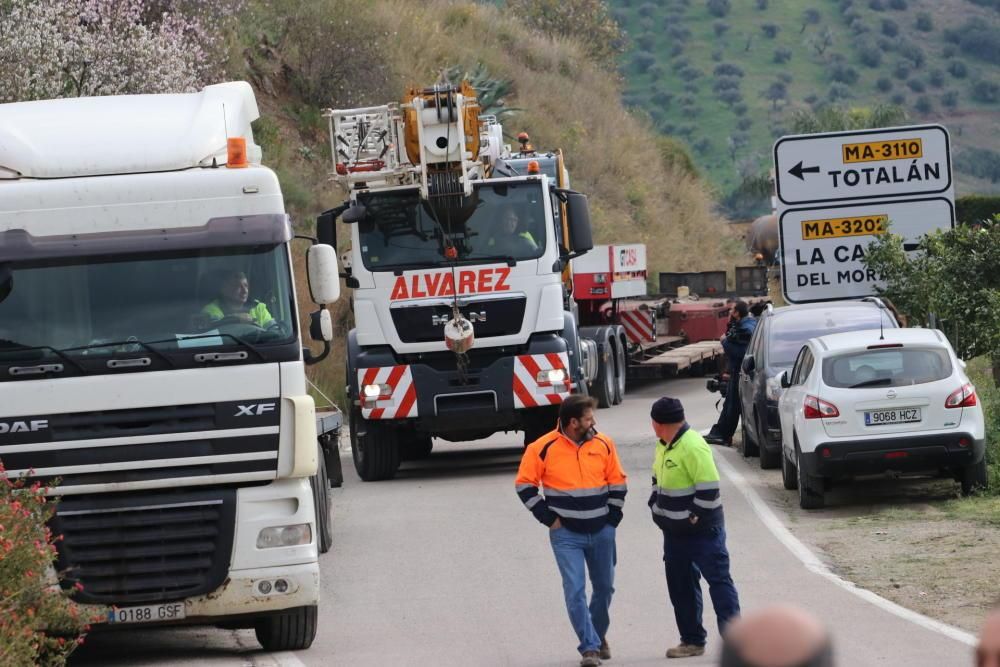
(507, 224)
(166, 306)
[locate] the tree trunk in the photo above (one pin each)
(995, 362)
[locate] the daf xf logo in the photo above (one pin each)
(472, 316)
(24, 427)
(253, 409)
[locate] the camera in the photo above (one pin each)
(717, 384)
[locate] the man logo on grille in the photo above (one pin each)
(472, 316)
(254, 409)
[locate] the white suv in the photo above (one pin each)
(869, 402)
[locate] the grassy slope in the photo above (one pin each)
(972, 123)
(567, 103)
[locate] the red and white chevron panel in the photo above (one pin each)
(398, 399)
(640, 325)
(528, 391)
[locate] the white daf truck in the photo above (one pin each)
(151, 361)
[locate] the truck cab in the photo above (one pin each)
(149, 334)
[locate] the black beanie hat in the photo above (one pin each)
(667, 410)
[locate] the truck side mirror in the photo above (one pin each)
(321, 326)
(786, 382)
(324, 277)
(581, 237)
(326, 227)
(355, 213)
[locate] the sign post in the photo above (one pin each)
(837, 191)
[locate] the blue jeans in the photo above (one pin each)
(686, 559)
(597, 551)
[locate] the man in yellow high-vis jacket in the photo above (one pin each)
(687, 507)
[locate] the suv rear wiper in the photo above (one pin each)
(20, 347)
(871, 383)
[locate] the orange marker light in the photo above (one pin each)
(236, 153)
(533, 167)
(451, 252)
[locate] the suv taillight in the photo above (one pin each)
(815, 408)
(962, 398)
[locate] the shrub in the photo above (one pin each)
(923, 104)
(589, 21)
(643, 60)
(718, 7)
(844, 73)
(986, 91)
(728, 69)
(890, 28)
(662, 98)
(785, 77)
(782, 55)
(901, 69)
(744, 124)
(679, 33)
(646, 41)
(950, 99)
(726, 83)
(740, 109)
(717, 56)
(770, 30)
(809, 17)
(898, 5)
(689, 73)
(761, 5)
(884, 84)
(730, 97)
(676, 49)
(899, 99)
(38, 624)
(811, 99)
(958, 69)
(924, 22)
(720, 28)
(647, 9)
(870, 55)
(916, 85)
(949, 51)
(981, 41)
(912, 52)
(690, 87)
(656, 71)
(876, 5)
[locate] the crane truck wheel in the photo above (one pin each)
(289, 630)
(621, 368)
(376, 451)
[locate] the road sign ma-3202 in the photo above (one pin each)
(869, 164)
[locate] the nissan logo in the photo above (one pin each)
(891, 393)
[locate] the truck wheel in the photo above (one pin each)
(974, 478)
(376, 452)
(290, 630)
(321, 494)
(810, 487)
(621, 370)
(604, 383)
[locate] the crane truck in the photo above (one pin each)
(460, 265)
(151, 364)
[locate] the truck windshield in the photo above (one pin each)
(148, 303)
(507, 223)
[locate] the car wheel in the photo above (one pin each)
(974, 478)
(810, 487)
(789, 473)
(768, 459)
(749, 444)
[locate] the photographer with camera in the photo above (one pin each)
(734, 344)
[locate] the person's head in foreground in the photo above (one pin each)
(777, 636)
(988, 650)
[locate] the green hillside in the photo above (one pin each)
(726, 76)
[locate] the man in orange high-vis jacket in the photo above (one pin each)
(584, 494)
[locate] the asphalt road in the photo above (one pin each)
(444, 566)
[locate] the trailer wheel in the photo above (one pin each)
(376, 451)
(604, 383)
(321, 494)
(290, 630)
(621, 370)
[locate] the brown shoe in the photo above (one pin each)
(605, 650)
(590, 659)
(685, 651)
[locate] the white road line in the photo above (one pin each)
(287, 659)
(815, 565)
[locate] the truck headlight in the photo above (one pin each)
(284, 536)
(374, 391)
(552, 376)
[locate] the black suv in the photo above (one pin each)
(777, 339)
